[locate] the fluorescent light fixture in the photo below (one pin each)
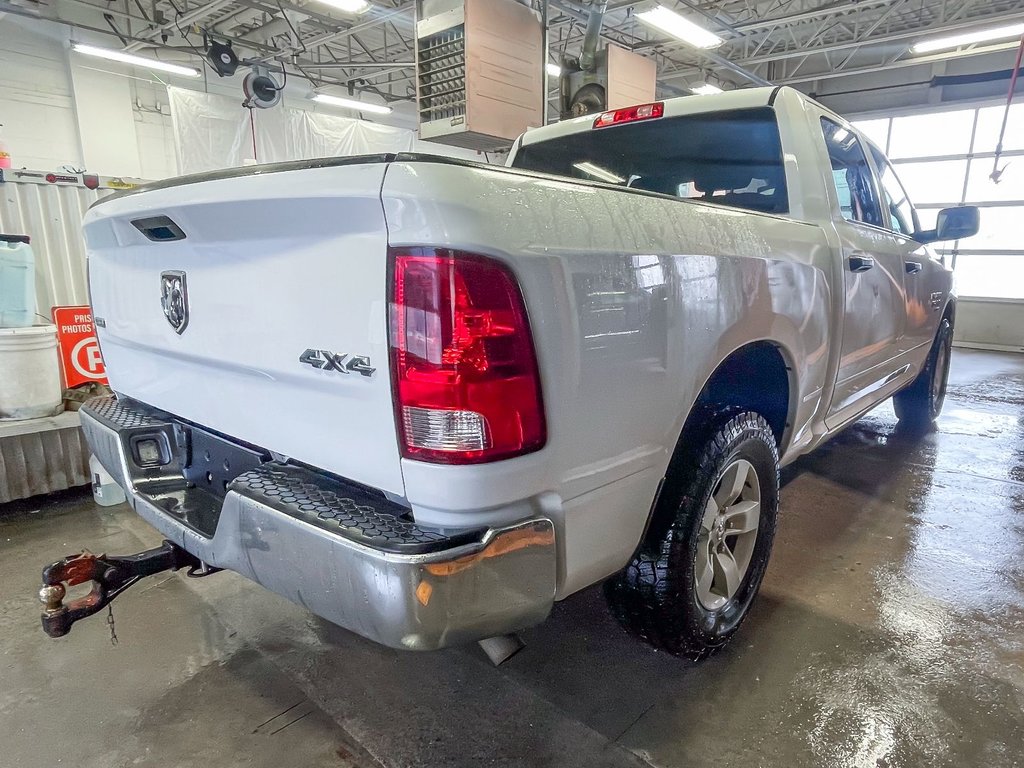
(706, 89)
(349, 6)
(968, 38)
(599, 173)
(841, 135)
(341, 101)
(138, 61)
(553, 70)
(671, 22)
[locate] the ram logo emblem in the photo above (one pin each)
(174, 299)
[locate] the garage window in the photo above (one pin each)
(726, 158)
(951, 166)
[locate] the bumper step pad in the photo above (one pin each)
(119, 415)
(344, 509)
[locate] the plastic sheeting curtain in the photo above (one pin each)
(213, 132)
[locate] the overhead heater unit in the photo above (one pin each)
(479, 71)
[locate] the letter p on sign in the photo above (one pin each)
(79, 351)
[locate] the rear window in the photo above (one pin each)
(727, 158)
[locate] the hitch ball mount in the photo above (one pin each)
(110, 576)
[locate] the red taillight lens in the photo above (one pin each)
(467, 388)
(631, 114)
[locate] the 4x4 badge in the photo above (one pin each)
(326, 360)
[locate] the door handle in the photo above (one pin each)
(912, 267)
(860, 262)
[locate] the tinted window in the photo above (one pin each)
(901, 212)
(726, 158)
(852, 175)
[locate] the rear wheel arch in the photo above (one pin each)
(949, 313)
(758, 376)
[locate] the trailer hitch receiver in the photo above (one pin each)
(110, 576)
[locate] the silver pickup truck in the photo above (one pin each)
(427, 398)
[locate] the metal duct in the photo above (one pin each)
(593, 35)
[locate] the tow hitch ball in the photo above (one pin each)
(110, 576)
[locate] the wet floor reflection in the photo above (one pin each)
(889, 632)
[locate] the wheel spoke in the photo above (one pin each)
(727, 572)
(731, 485)
(743, 517)
(705, 573)
(710, 513)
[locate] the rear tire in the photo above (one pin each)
(920, 404)
(700, 566)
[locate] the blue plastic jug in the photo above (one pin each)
(17, 282)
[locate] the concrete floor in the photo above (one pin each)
(889, 632)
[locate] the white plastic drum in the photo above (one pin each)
(29, 372)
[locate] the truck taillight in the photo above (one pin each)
(630, 114)
(467, 389)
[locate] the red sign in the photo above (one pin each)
(79, 351)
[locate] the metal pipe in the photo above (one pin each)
(590, 40)
(501, 648)
(182, 21)
(361, 65)
(545, 44)
(733, 67)
(997, 172)
(316, 42)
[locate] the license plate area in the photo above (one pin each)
(213, 462)
(185, 471)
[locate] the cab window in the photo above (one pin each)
(851, 175)
(731, 158)
(901, 211)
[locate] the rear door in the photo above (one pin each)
(874, 321)
(255, 306)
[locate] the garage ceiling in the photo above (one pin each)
(778, 41)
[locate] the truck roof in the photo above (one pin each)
(744, 98)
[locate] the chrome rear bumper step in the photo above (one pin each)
(348, 553)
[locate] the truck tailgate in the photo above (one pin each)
(285, 344)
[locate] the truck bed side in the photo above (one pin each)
(634, 300)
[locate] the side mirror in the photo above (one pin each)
(953, 224)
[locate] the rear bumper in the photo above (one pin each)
(339, 550)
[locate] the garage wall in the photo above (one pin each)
(37, 106)
(990, 324)
(60, 108)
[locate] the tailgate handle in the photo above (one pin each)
(159, 229)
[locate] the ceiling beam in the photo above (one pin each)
(900, 63)
(893, 37)
(180, 21)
